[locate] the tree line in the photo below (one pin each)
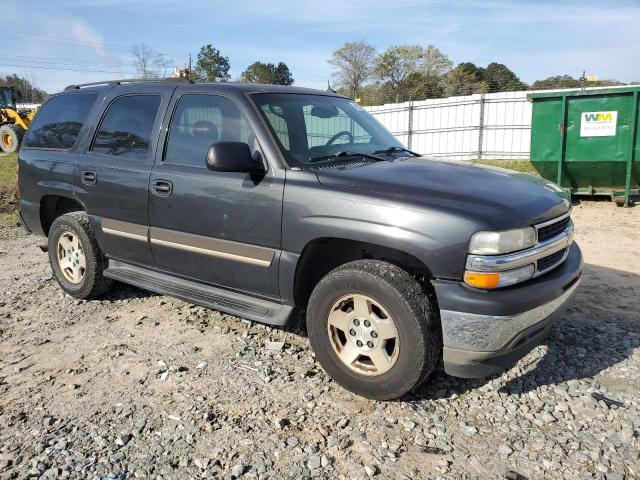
(210, 66)
(26, 91)
(397, 74)
(415, 72)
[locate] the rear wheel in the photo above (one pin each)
(373, 329)
(76, 260)
(11, 137)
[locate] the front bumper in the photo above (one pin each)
(486, 331)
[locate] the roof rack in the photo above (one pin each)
(130, 80)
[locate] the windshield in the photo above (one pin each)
(311, 127)
(6, 98)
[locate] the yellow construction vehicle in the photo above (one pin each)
(13, 122)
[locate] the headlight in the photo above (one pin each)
(496, 243)
(499, 279)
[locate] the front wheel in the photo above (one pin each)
(373, 329)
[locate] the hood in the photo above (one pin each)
(504, 198)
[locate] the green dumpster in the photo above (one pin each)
(588, 141)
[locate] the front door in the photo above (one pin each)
(112, 177)
(220, 228)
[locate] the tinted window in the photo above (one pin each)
(126, 128)
(58, 122)
(200, 121)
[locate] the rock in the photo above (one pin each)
(408, 424)
(280, 423)
(505, 449)
(314, 462)
(275, 346)
(420, 440)
(370, 470)
(122, 440)
(343, 422)
(237, 470)
(202, 365)
(116, 457)
(164, 375)
(468, 430)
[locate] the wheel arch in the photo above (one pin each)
(321, 255)
(53, 206)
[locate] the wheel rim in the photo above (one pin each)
(7, 140)
(71, 257)
(363, 335)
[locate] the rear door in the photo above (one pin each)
(112, 177)
(221, 228)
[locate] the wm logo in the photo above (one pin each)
(598, 117)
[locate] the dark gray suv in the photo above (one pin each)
(256, 200)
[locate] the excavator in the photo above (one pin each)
(13, 122)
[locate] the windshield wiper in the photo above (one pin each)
(394, 149)
(343, 154)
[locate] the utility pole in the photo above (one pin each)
(189, 72)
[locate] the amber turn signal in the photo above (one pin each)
(482, 279)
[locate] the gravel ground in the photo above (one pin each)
(153, 387)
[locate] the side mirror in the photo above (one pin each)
(232, 157)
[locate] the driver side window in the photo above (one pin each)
(199, 121)
(321, 130)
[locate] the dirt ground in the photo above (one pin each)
(153, 387)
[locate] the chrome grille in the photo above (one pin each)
(550, 261)
(552, 229)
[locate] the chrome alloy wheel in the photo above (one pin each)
(71, 257)
(363, 335)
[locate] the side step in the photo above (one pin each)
(232, 303)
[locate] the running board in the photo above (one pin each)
(232, 303)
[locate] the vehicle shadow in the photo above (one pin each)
(600, 329)
(123, 291)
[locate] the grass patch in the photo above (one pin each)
(518, 165)
(8, 220)
(8, 178)
(8, 171)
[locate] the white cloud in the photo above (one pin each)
(54, 49)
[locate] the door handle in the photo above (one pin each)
(89, 177)
(162, 188)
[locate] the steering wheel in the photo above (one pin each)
(343, 133)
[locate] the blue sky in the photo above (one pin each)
(75, 41)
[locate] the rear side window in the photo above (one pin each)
(59, 121)
(125, 130)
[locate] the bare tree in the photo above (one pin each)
(148, 62)
(354, 64)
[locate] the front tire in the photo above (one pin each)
(75, 257)
(373, 329)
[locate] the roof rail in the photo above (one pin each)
(130, 80)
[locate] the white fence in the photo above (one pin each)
(492, 126)
(489, 126)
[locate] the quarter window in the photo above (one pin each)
(200, 121)
(59, 121)
(125, 130)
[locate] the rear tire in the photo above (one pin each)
(11, 136)
(75, 257)
(365, 297)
